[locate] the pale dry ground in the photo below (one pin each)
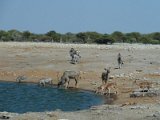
(37, 60)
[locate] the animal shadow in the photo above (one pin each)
(116, 68)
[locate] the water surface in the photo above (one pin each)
(25, 97)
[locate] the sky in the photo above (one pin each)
(62, 16)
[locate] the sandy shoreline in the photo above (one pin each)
(37, 60)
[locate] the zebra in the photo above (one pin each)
(119, 59)
(75, 58)
(75, 55)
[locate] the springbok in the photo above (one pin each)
(106, 88)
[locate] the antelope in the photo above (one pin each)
(67, 75)
(106, 88)
(105, 75)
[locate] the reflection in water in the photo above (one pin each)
(21, 98)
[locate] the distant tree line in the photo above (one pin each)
(81, 37)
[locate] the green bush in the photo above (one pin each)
(154, 41)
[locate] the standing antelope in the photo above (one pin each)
(105, 75)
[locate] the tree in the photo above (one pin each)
(3, 35)
(44, 38)
(54, 36)
(82, 36)
(51, 33)
(68, 37)
(105, 39)
(156, 36)
(15, 35)
(145, 40)
(26, 35)
(92, 36)
(118, 36)
(134, 36)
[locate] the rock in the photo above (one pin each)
(136, 94)
(111, 77)
(128, 103)
(97, 55)
(139, 107)
(50, 114)
(145, 93)
(4, 117)
(157, 114)
(94, 83)
(141, 90)
(63, 119)
(139, 70)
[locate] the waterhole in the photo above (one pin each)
(27, 97)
